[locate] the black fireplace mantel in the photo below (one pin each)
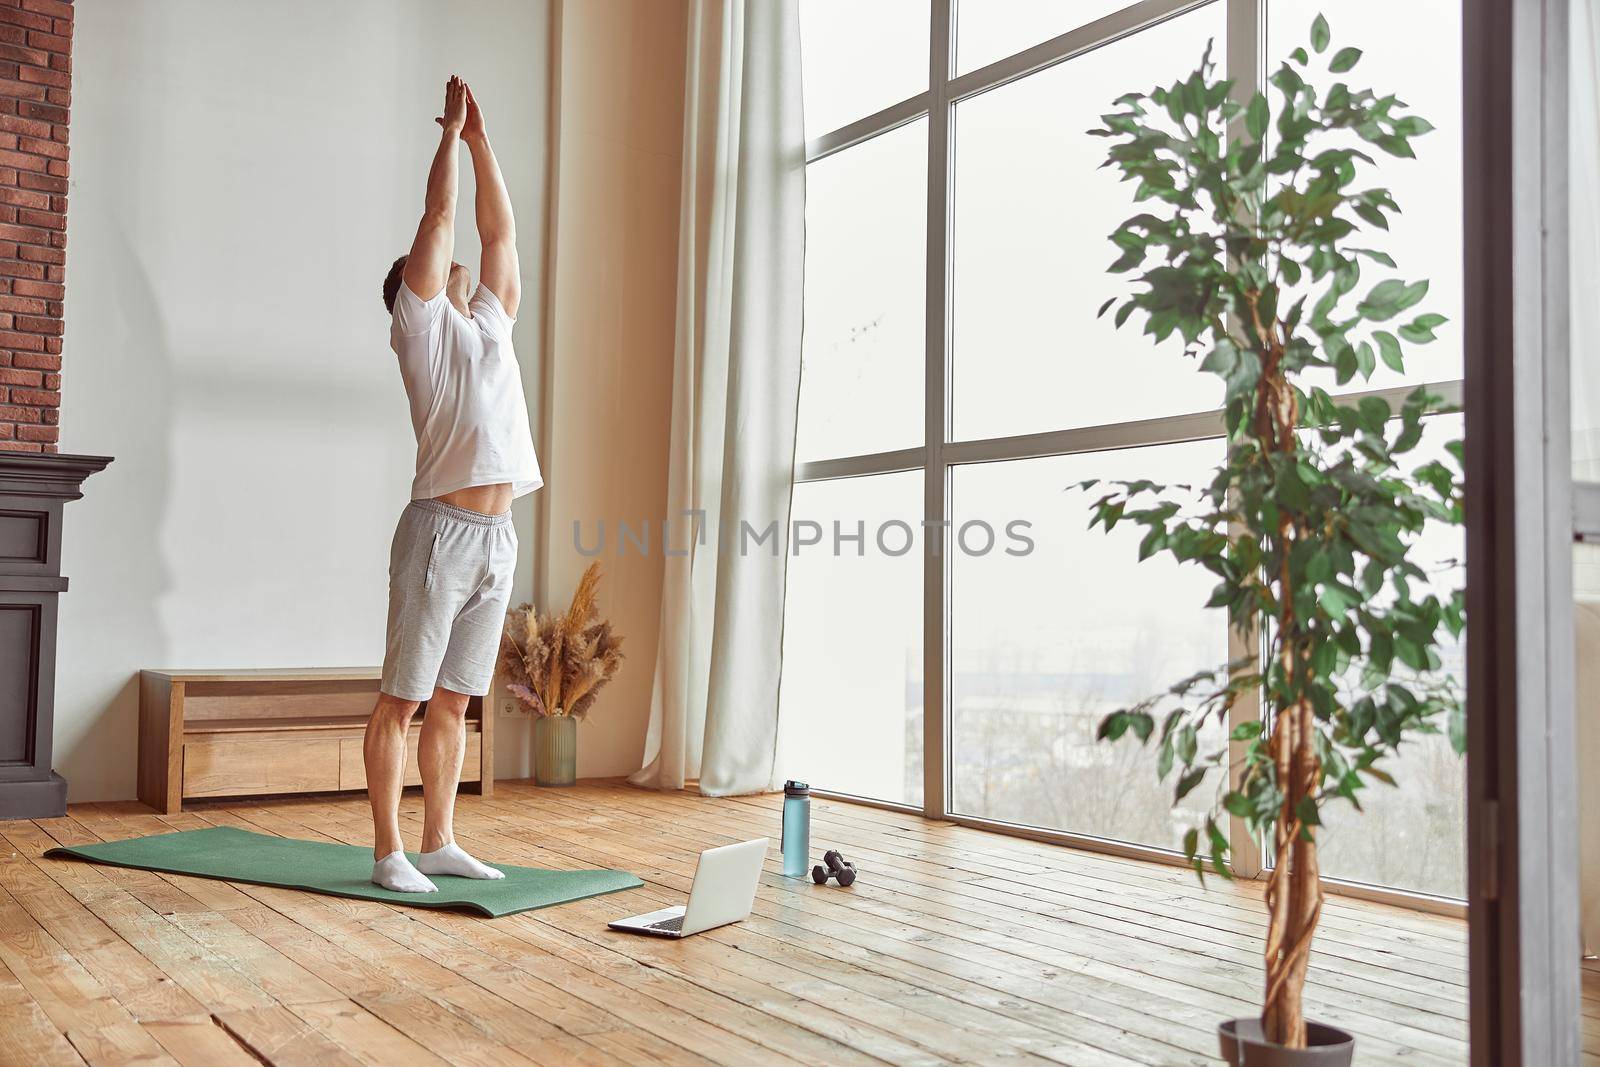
(34, 490)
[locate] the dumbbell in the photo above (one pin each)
(836, 867)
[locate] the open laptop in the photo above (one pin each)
(724, 890)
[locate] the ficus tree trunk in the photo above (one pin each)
(1294, 891)
(1294, 888)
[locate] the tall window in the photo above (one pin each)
(957, 381)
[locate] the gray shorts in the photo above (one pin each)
(449, 581)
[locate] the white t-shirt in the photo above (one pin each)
(465, 388)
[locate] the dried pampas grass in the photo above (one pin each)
(557, 664)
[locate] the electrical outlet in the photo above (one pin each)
(506, 705)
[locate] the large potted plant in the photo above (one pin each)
(1252, 251)
(555, 665)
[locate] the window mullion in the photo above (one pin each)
(1246, 65)
(936, 408)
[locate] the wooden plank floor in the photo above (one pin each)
(955, 945)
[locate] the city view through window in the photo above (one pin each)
(1041, 645)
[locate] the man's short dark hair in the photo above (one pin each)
(391, 284)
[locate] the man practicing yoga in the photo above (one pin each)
(454, 550)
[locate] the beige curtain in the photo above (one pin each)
(736, 384)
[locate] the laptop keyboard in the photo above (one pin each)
(672, 925)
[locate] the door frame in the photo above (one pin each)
(1521, 767)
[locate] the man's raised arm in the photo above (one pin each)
(428, 266)
(497, 230)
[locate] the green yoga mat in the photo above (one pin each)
(341, 870)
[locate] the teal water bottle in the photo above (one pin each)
(796, 829)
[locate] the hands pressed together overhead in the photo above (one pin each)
(474, 125)
(461, 112)
(429, 263)
(455, 105)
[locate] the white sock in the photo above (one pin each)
(395, 873)
(452, 860)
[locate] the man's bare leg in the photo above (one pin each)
(439, 754)
(384, 751)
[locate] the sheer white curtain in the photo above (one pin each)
(1584, 207)
(736, 386)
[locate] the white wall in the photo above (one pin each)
(243, 175)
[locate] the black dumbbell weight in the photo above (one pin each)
(833, 865)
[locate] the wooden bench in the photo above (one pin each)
(258, 732)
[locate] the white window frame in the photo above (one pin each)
(1246, 22)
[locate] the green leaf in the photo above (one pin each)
(1396, 146)
(1381, 651)
(1345, 364)
(1186, 744)
(1337, 600)
(1410, 653)
(1382, 301)
(1173, 718)
(1343, 60)
(1256, 118)
(1319, 34)
(1389, 350)
(1187, 783)
(1319, 566)
(1390, 297)
(1112, 727)
(1420, 329)
(1372, 215)
(1219, 849)
(1246, 731)
(1366, 363)
(1286, 81)
(1292, 492)
(1306, 812)
(1374, 412)
(1412, 294)
(1458, 730)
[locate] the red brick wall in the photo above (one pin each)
(35, 94)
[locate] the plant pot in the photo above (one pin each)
(555, 750)
(1244, 1045)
